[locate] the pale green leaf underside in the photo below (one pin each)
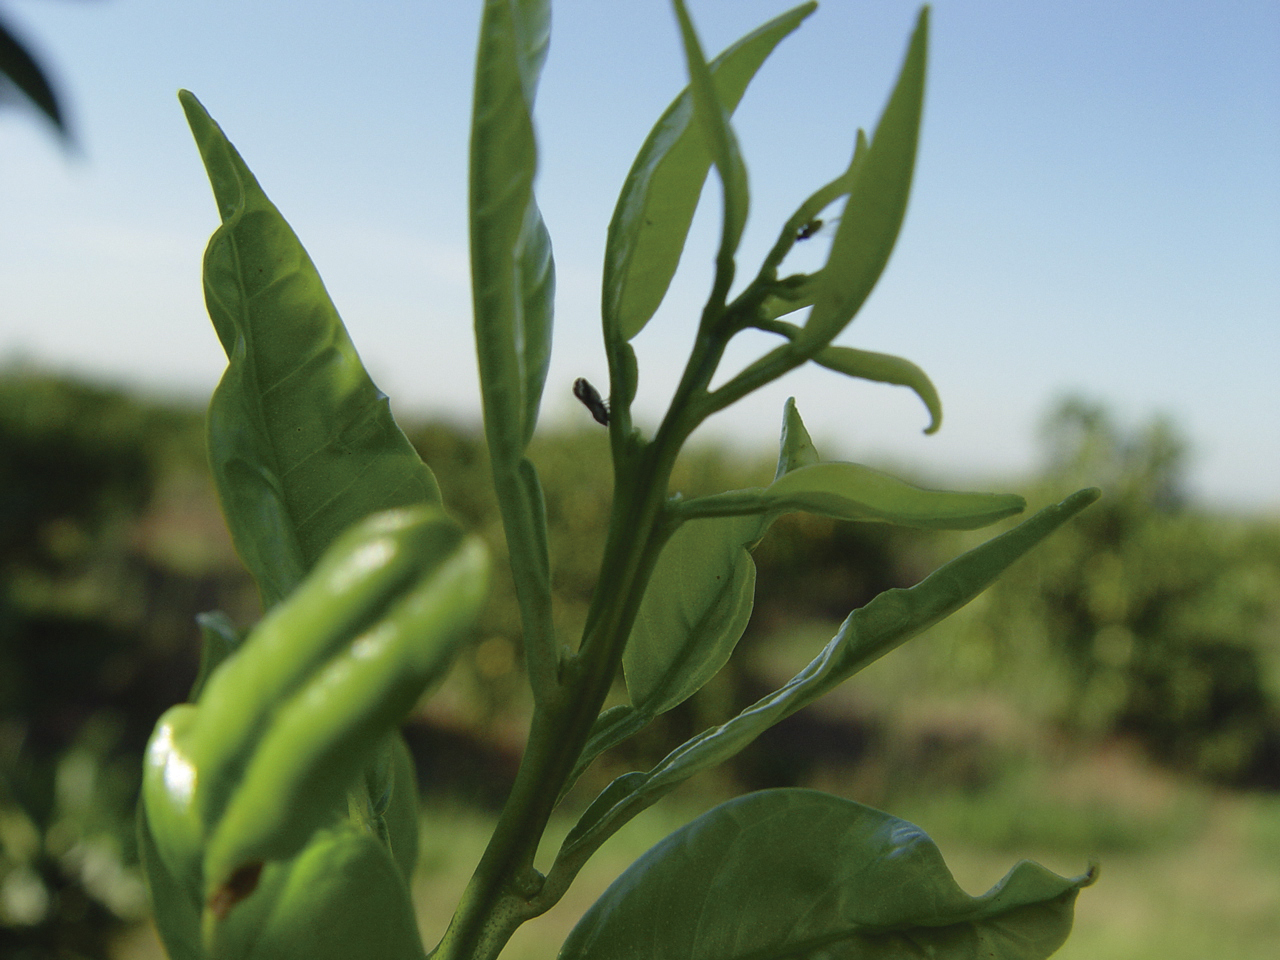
(512, 272)
(301, 442)
(850, 491)
(513, 291)
(885, 368)
(789, 874)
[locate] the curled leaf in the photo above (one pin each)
(885, 368)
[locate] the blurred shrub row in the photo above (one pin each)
(1146, 617)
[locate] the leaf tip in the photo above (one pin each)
(191, 105)
(1082, 498)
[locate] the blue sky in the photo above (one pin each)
(1096, 207)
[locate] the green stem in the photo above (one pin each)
(505, 886)
(505, 889)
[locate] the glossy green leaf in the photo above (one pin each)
(175, 908)
(340, 898)
(367, 569)
(319, 738)
(871, 631)
(512, 274)
(301, 442)
(877, 203)
(295, 734)
(169, 803)
(784, 874)
(659, 197)
(699, 598)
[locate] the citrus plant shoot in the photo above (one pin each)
(279, 814)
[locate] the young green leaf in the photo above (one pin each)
(176, 905)
(219, 638)
(850, 491)
(366, 569)
(699, 598)
(795, 448)
(801, 225)
(782, 874)
(885, 368)
(713, 120)
(871, 631)
(392, 789)
(866, 365)
(315, 738)
(877, 203)
(301, 442)
(694, 611)
(658, 198)
(512, 274)
(513, 287)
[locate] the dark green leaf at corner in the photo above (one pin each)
(25, 73)
(787, 874)
(301, 442)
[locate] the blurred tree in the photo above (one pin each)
(96, 637)
(1165, 620)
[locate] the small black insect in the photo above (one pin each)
(809, 228)
(592, 400)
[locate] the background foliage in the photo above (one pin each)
(1148, 625)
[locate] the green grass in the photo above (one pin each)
(1203, 885)
(1201, 881)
